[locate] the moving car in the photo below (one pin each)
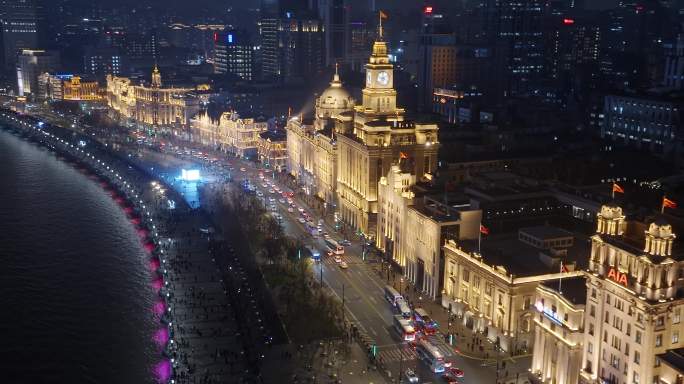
(301, 220)
(338, 259)
(455, 371)
(411, 376)
(345, 242)
(344, 265)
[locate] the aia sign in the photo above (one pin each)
(617, 276)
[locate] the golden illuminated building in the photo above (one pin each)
(492, 291)
(152, 104)
(230, 133)
(312, 146)
(411, 231)
(67, 87)
(634, 302)
(371, 138)
(559, 330)
(272, 150)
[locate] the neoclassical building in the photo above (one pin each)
(312, 145)
(492, 290)
(559, 330)
(371, 138)
(152, 104)
(229, 133)
(412, 230)
(634, 302)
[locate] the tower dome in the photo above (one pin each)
(334, 100)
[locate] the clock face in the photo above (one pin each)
(369, 79)
(383, 78)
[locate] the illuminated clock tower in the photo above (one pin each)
(379, 94)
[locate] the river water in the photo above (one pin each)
(76, 300)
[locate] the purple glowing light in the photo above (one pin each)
(161, 337)
(149, 247)
(157, 284)
(159, 307)
(163, 371)
(154, 264)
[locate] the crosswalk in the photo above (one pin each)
(393, 353)
(396, 353)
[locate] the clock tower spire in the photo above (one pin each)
(379, 95)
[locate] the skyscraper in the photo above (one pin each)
(30, 65)
(233, 54)
(19, 19)
(335, 17)
(436, 57)
(292, 40)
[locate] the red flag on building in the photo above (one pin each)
(667, 203)
(617, 188)
(484, 230)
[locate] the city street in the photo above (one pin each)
(361, 285)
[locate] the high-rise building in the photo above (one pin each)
(436, 58)
(19, 19)
(335, 17)
(30, 65)
(292, 40)
(234, 54)
(649, 121)
(520, 42)
(101, 61)
(303, 48)
(674, 65)
(373, 138)
(361, 41)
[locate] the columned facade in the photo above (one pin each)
(372, 139)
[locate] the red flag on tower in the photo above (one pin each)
(484, 230)
(617, 188)
(667, 203)
(383, 15)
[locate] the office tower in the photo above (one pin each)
(19, 19)
(335, 17)
(674, 65)
(101, 61)
(233, 54)
(30, 65)
(520, 44)
(268, 31)
(303, 51)
(436, 57)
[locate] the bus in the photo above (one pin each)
(431, 356)
(392, 295)
(404, 328)
(334, 247)
(315, 255)
(403, 308)
(427, 325)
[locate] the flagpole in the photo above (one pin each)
(613, 192)
(479, 238)
(662, 206)
(560, 278)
